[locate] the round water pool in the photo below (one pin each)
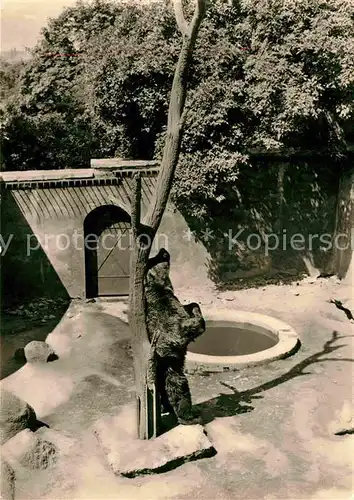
(225, 338)
(236, 339)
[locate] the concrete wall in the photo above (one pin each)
(24, 275)
(47, 226)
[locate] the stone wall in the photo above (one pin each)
(275, 201)
(345, 225)
(273, 198)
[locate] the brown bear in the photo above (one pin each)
(171, 327)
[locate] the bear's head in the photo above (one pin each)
(158, 274)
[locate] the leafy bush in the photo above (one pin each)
(266, 76)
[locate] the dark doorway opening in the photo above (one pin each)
(107, 251)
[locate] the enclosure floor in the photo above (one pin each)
(271, 427)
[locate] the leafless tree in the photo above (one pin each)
(144, 232)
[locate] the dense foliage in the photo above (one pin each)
(266, 75)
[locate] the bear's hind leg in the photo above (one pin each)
(165, 403)
(179, 396)
(161, 370)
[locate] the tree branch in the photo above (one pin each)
(174, 121)
(180, 19)
(198, 16)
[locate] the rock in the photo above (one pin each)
(39, 352)
(18, 445)
(62, 443)
(30, 451)
(130, 457)
(344, 424)
(40, 456)
(7, 481)
(15, 415)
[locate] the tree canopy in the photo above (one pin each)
(266, 75)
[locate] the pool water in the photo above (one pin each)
(225, 338)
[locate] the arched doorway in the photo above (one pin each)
(107, 251)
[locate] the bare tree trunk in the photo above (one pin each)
(146, 398)
(148, 411)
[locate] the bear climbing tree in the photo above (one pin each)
(171, 328)
(143, 232)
